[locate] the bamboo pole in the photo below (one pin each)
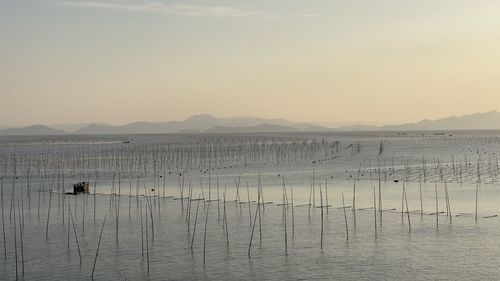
(354, 204)
(76, 236)
(345, 218)
(254, 223)
(477, 191)
(225, 220)
(421, 203)
(98, 246)
(248, 202)
(205, 235)
(3, 220)
(321, 205)
(147, 236)
(48, 216)
(21, 236)
(195, 221)
(407, 210)
(326, 194)
(437, 207)
(375, 210)
(285, 207)
(293, 216)
(15, 244)
(142, 230)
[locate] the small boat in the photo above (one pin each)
(80, 187)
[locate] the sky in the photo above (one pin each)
(368, 61)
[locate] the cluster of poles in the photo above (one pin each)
(146, 167)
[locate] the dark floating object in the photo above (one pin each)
(396, 180)
(81, 187)
(492, 216)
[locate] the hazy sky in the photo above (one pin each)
(118, 61)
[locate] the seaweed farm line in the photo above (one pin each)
(346, 206)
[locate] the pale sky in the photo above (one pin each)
(119, 61)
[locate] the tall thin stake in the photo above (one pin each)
(205, 235)
(477, 191)
(98, 246)
(345, 218)
(3, 222)
(195, 221)
(76, 236)
(375, 209)
(321, 206)
(437, 207)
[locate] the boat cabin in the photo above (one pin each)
(81, 187)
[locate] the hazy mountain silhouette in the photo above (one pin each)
(477, 121)
(262, 128)
(199, 123)
(69, 127)
(210, 124)
(193, 123)
(31, 130)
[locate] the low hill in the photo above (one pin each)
(31, 130)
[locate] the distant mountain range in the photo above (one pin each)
(32, 130)
(209, 124)
(199, 124)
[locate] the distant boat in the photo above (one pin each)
(126, 142)
(81, 187)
